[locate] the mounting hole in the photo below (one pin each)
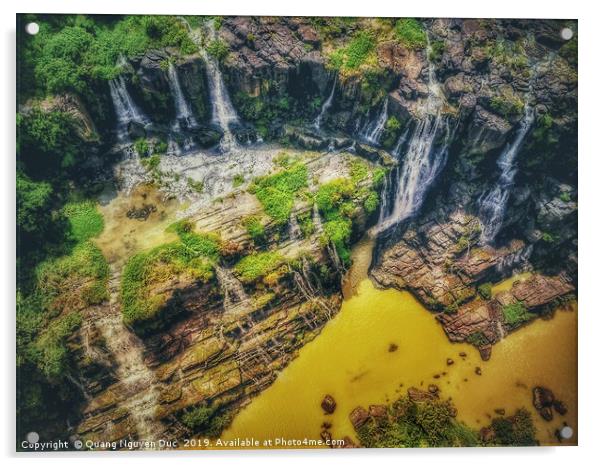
(566, 432)
(566, 33)
(32, 28)
(33, 437)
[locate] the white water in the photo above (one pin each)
(492, 205)
(183, 111)
(423, 159)
(421, 165)
(125, 108)
(325, 106)
(223, 113)
(374, 131)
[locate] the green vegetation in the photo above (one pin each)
(407, 423)
(334, 200)
(218, 49)
(192, 258)
(72, 51)
(569, 51)
(142, 147)
(484, 290)
(151, 163)
(196, 186)
(85, 219)
(517, 430)
(238, 180)
(565, 197)
(436, 50)
(477, 339)
(371, 202)
(277, 192)
(548, 237)
(515, 314)
(360, 51)
(509, 54)
(391, 133)
(410, 33)
(255, 229)
(251, 268)
(206, 420)
(507, 105)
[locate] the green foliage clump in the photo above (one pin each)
(334, 200)
(33, 204)
(477, 339)
(197, 186)
(371, 202)
(277, 192)
(409, 32)
(198, 417)
(151, 163)
(238, 180)
(436, 50)
(252, 267)
(361, 50)
(516, 314)
(68, 54)
(407, 423)
(565, 197)
(378, 176)
(255, 229)
(191, 257)
(391, 133)
(484, 290)
(75, 281)
(569, 51)
(49, 350)
(218, 49)
(142, 147)
(507, 105)
(517, 430)
(85, 220)
(358, 169)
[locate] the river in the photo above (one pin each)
(352, 360)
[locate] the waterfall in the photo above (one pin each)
(400, 143)
(424, 157)
(233, 290)
(293, 227)
(384, 198)
(373, 132)
(124, 105)
(325, 106)
(492, 204)
(422, 163)
(183, 111)
(317, 220)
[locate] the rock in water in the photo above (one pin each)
(328, 404)
(544, 401)
(358, 417)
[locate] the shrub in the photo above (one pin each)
(565, 197)
(277, 192)
(517, 430)
(477, 339)
(436, 51)
(517, 313)
(218, 49)
(198, 417)
(142, 147)
(507, 105)
(85, 220)
(410, 33)
(356, 53)
(252, 267)
(254, 228)
(238, 180)
(151, 163)
(371, 202)
(485, 290)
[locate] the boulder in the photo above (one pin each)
(328, 404)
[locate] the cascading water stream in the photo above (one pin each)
(423, 160)
(125, 108)
(183, 112)
(492, 204)
(325, 107)
(374, 131)
(223, 113)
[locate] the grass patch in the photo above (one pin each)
(485, 290)
(251, 268)
(75, 281)
(85, 220)
(238, 180)
(218, 49)
(255, 229)
(410, 33)
(192, 257)
(277, 192)
(516, 314)
(357, 53)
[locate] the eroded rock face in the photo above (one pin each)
(442, 265)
